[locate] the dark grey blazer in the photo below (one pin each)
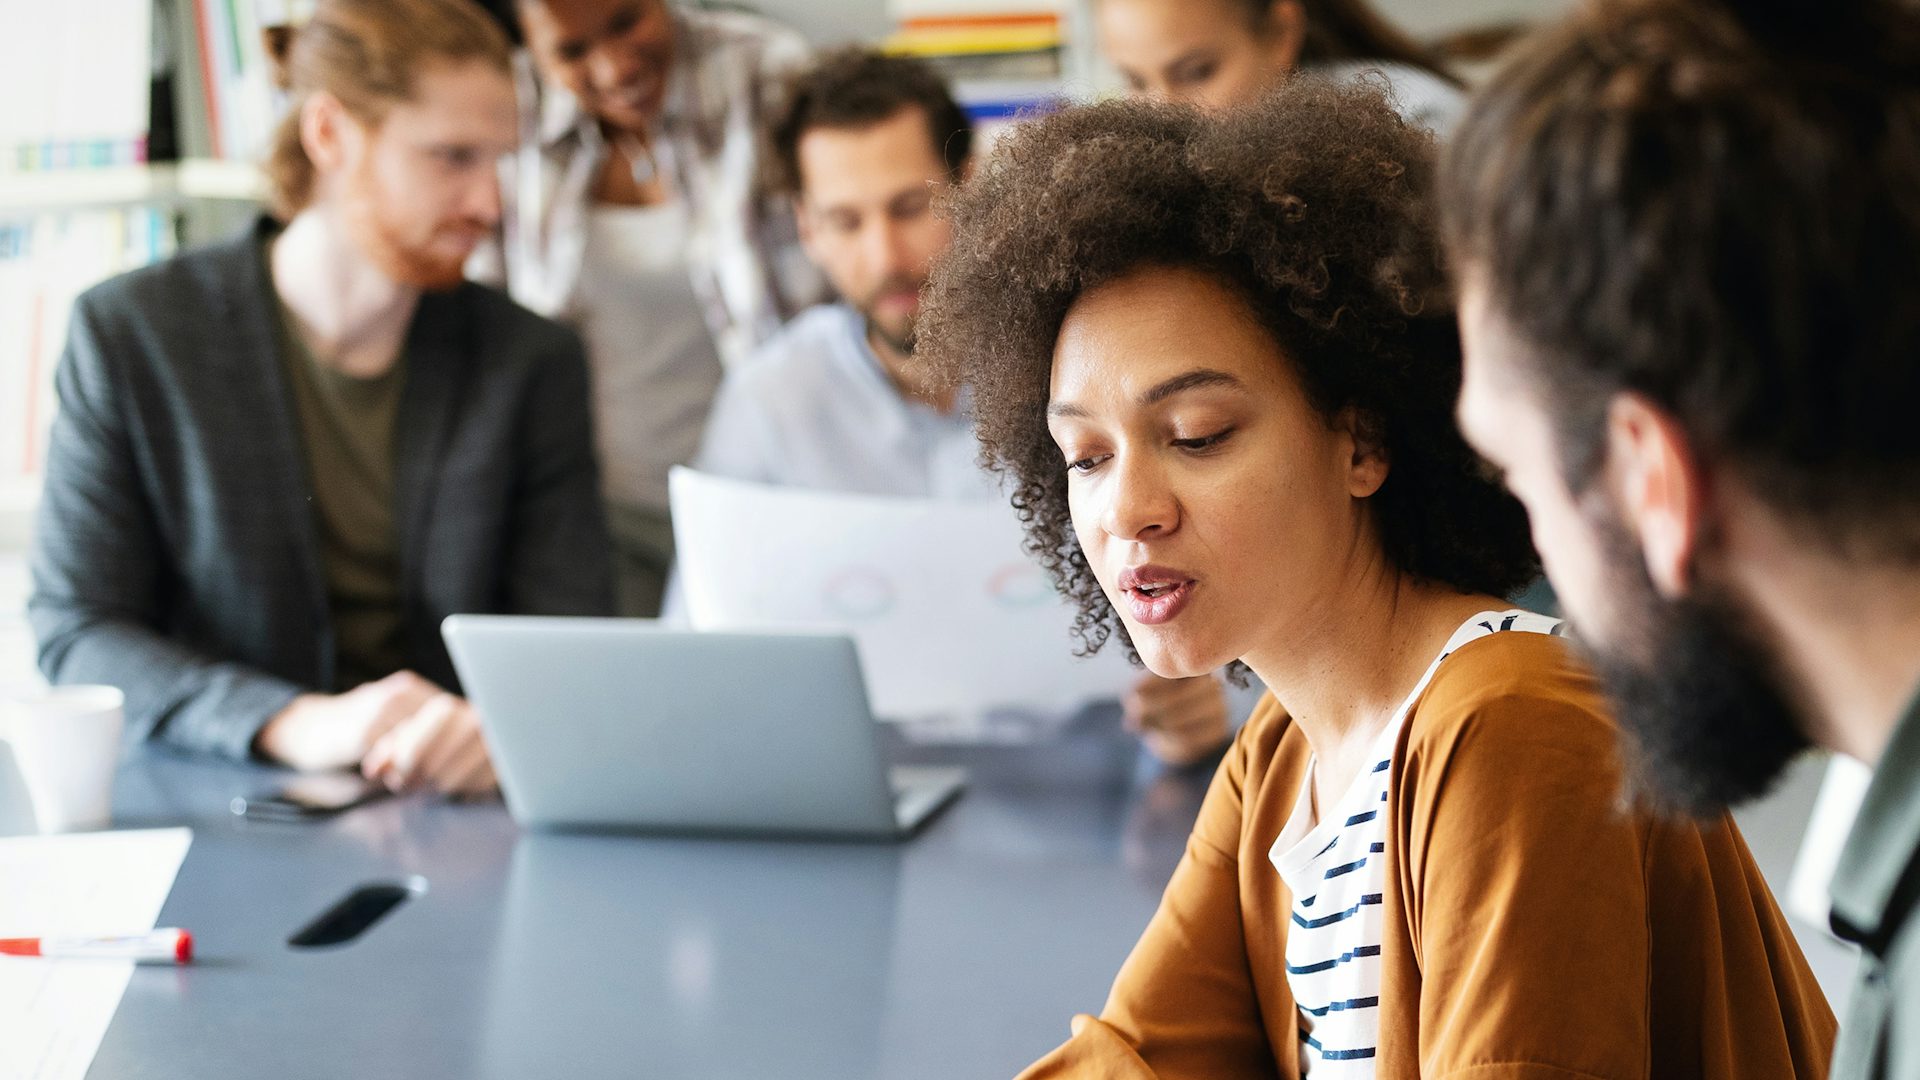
(175, 553)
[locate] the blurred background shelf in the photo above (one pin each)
(130, 185)
(18, 500)
(16, 639)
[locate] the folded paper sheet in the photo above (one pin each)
(53, 1013)
(951, 616)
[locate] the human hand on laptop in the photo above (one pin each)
(1180, 720)
(439, 747)
(402, 730)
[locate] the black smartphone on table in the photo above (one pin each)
(308, 798)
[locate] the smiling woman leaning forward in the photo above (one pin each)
(1216, 361)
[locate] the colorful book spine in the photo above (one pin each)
(974, 38)
(1004, 63)
(46, 261)
(78, 87)
(236, 76)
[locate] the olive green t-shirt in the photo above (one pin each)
(347, 427)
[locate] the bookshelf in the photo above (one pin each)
(145, 119)
(16, 638)
(139, 131)
(1005, 60)
(17, 502)
(165, 184)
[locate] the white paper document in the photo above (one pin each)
(53, 1013)
(950, 615)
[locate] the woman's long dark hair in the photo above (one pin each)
(1353, 30)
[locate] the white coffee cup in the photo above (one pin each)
(65, 744)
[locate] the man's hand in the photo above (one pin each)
(334, 731)
(438, 747)
(402, 730)
(1180, 720)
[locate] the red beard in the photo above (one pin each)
(385, 243)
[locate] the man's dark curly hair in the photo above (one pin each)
(1314, 205)
(854, 87)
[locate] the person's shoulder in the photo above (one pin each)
(511, 331)
(731, 37)
(1512, 718)
(812, 333)
(801, 356)
(180, 285)
(1516, 689)
(169, 314)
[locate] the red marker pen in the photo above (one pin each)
(169, 944)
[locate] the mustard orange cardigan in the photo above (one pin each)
(1535, 930)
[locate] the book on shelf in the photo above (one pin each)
(46, 261)
(1003, 62)
(77, 85)
(235, 75)
(976, 36)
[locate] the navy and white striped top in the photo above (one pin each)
(1336, 869)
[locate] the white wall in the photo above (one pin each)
(1430, 19)
(831, 22)
(16, 641)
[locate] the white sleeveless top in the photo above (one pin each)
(652, 358)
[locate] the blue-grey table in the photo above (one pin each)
(960, 953)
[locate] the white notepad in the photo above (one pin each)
(55, 1012)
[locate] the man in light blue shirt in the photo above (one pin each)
(819, 407)
(835, 400)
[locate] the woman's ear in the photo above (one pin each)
(1366, 451)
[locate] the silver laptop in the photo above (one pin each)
(627, 724)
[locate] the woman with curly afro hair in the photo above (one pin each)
(1216, 361)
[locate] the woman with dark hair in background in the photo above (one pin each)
(637, 211)
(1220, 53)
(1216, 361)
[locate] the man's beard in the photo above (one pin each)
(1707, 722)
(384, 242)
(901, 343)
(903, 339)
